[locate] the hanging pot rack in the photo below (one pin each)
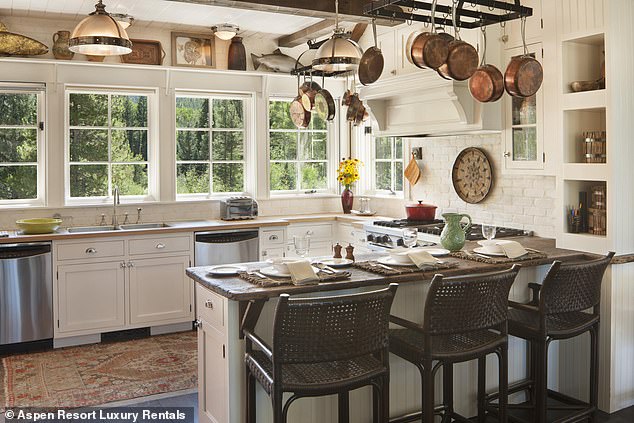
(493, 12)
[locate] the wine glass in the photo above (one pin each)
(410, 237)
(302, 245)
(488, 231)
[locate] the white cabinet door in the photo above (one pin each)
(91, 296)
(160, 290)
(533, 26)
(387, 45)
(317, 248)
(212, 375)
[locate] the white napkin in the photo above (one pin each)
(302, 272)
(512, 249)
(422, 258)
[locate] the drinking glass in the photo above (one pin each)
(410, 237)
(488, 231)
(302, 245)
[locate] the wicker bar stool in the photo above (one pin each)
(558, 311)
(464, 319)
(323, 346)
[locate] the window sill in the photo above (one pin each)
(398, 196)
(286, 196)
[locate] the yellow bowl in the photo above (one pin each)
(42, 225)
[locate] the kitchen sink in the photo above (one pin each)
(144, 226)
(85, 229)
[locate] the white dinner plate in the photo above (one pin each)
(226, 270)
(437, 252)
(272, 271)
(482, 250)
(389, 261)
(336, 262)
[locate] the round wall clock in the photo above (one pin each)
(472, 175)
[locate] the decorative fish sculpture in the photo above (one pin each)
(276, 61)
(19, 45)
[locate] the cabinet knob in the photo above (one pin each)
(507, 154)
(91, 251)
(122, 264)
(130, 264)
(393, 71)
(160, 246)
(273, 238)
(209, 304)
(265, 253)
(198, 324)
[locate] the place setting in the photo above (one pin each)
(491, 250)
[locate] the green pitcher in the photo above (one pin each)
(453, 235)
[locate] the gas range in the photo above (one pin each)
(388, 234)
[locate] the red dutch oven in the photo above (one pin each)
(420, 211)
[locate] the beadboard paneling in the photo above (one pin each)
(576, 16)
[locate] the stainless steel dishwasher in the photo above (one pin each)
(240, 246)
(26, 292)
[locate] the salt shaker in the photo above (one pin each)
(349, 251)
(337, 249)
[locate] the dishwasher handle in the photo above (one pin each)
(225, 237)
(14, 251)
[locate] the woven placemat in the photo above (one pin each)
(531, 255)
(375, 267)
(268, 281)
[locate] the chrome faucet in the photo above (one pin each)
(115, 203)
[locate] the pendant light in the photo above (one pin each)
(124, 20)
(339, 53)
(100, 34)
(225, 31)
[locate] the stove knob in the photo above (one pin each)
(370, 238)
(400, 243)
(385, 239)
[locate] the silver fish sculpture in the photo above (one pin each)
(276, 62)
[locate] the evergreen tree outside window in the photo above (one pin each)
(21, 141)
(210, 145)
(388, 164)
(298, 157)
(107, 144)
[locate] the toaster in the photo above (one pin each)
(238, 208)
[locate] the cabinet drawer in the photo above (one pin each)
(316, 231)
(159, 245)
(275, 236)
(269, 253)
(90, 250)
(210, 307)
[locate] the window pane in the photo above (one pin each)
(131, 179)
(192, 112)
(192, 145)
(88, 145)
(313, 145)
(18, 182)
(88, 180)
(18, 109)
(279, 116)
(398, 176)
(524, 110)
(383, 148)
(383, 175)
(317, 123)
(525, 144)
(283, 176)
(314, 176)
(192, 178)
(228, 177)
(398, 148)
(129, 111)
(228, 145)
(129, 146)
(88, 110)
(18, 145)
(228, 114)
(283, 145)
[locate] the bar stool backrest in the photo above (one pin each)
(574, 286)
(468, 303)
(335, 328)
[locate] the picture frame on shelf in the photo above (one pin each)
(145, 52)
(193, 50)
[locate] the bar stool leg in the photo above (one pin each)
(594, 370)
(503, 374)
(385, 400)
(344, 408)
(278, 414)
(428, 392)
(541, 384)
(250, 397)
(482, 371)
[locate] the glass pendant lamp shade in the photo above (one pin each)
(225, 31)
(100, 34)
(337, 54)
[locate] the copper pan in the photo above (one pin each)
(371, 64)
(524, 74)
(430, 49)
(487, 83)
(462, 60)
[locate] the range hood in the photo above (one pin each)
(424, 104)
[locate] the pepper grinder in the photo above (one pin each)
(337, 249)
(349, 251)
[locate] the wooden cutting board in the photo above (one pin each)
(412, 171)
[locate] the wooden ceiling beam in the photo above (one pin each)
(311, 32)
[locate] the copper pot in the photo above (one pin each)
(429, 49)
(524, 76)
(487, 84)
(461, 63)
(299, 115)
(308, 93)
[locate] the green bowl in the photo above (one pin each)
(42, 225)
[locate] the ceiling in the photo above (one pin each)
(162, 13)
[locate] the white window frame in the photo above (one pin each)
(40, 91)
(249, 145)
(331, 157)
(367, 149)
(152, 143)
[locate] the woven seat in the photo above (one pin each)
(323, 346)
(464, 319)
(558, 310)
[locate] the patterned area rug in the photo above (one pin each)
(100, 373)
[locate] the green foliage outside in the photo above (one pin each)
(388, 165)
(299, 157)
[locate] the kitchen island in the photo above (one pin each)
(224, 303)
